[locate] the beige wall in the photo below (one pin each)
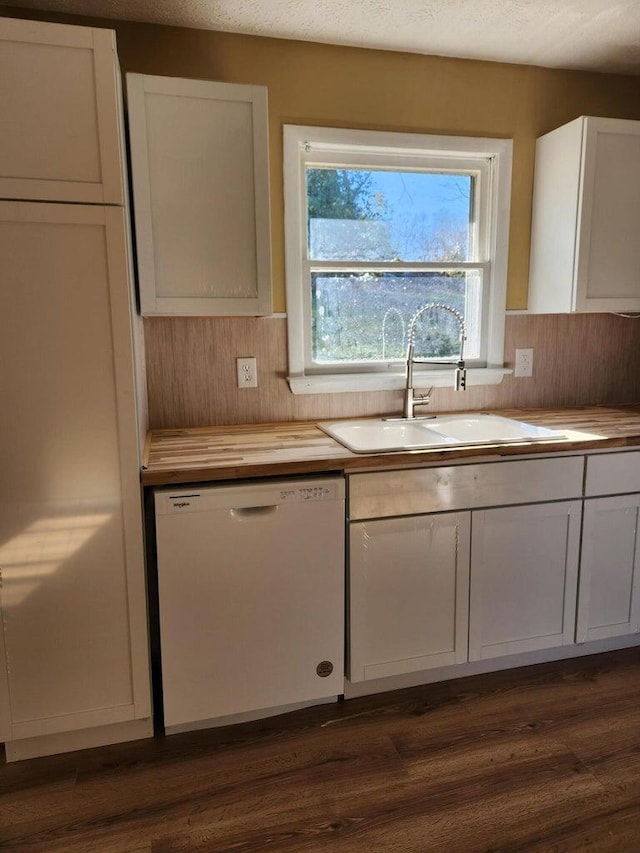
(370, 89)
(191, 374)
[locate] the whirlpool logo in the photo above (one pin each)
(180, 504)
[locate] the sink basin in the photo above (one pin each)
(490, 429)
(378, 436)
(464, 430)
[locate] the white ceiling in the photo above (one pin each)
(597, 35)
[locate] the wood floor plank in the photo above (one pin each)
(610, 827)
(578, 675)
(553, 694)
(539, 759)
(608, 744)
(414, 819)
(246, 785)
(23, 775)
(51, 799)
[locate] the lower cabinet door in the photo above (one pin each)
(73, 640)
(524, 570)
(409, 594)
(609, 597)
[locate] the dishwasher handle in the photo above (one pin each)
(250, 512)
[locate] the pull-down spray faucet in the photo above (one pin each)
(411, 400)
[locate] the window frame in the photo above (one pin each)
(490, 159)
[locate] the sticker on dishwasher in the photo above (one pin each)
(306, 493)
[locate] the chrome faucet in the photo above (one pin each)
(411, 400)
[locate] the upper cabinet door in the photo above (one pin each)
(608, 248)
(61, 114)
(585, 252)
(199, 156)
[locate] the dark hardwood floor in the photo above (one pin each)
(544, 758)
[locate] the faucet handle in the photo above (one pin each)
(423, 399)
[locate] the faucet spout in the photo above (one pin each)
(411, 399)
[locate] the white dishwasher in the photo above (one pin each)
(251, 597)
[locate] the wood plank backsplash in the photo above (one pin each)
(581, 359)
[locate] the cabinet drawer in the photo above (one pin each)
(613, 473)
(407, 492)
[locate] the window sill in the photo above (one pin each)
(338, 383)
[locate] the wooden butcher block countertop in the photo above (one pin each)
(202, 454)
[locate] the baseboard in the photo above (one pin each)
(353, 690)
(36, 747)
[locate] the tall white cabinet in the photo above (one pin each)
(74, 640)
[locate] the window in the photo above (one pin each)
(376, 226)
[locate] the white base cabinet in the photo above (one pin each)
(609, 599)
(524, 556)
(409, 593)
(609, 595)
(483, 579)
(524, 571)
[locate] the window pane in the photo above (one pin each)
(376, 215)
(365, 317)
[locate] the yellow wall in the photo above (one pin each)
(350, 87)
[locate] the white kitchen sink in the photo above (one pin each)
(464, 430)
(481, 428)
(377, 436)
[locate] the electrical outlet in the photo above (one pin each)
(524, 363)
(247, 372)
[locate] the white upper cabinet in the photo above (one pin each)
(199, 155)
(58, 87)
(585, 251)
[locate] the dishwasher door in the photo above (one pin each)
(251, 597)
